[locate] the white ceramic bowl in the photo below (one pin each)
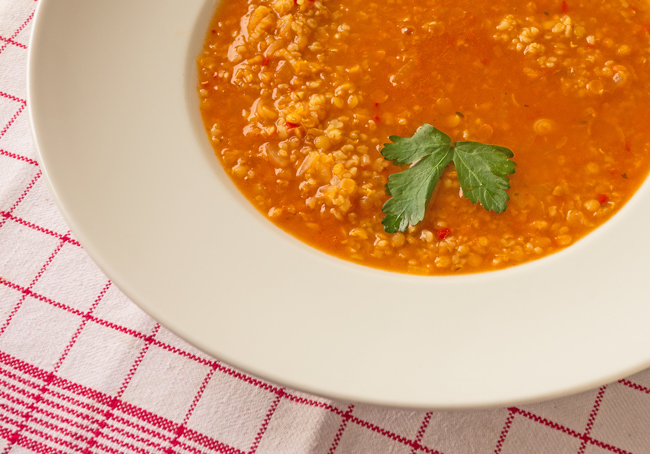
(113, 103)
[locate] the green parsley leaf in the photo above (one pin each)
(406, 150)
(412, 189)
(481, 169)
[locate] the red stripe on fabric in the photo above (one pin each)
(547, 423)
(636, 386)
(196, 450)
(265, 423)
(118, 419)
(592, 418)
(210, 443)
(198, 396)
(58, 395)
(147, 416)
(79, 437)
(75, 311)
(393, 436)
(108, 438)
(138, 360)
(96, 396)
(135, 437)
(15, 388)
(13, 376)
(13, 98)
(134, 411)
(247, 379)
(12, 410)
(7, 216)
(36, 278)
(23, 25)
(114, 428)
(151, 419)
(20, 433)
(8, 420)
(339, 432)
(568, 431)
(50, 403)
(178, 351)
(73, 413)
(33, 445)
(81, 326)
(22, 196)
(125, 383)
(422, 429)
(314, 403)
(4, 215)
(24, 404)
(178, 433)
(18, 157)
(60, 429)
(11, 41)
(43, 389)
(45, 413)
(118, 328)
(608, 447)
(18, 30)
(27, 292)
(504, 431)
(13, 119)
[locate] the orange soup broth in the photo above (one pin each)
(564, 85)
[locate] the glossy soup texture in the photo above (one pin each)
(299, 96)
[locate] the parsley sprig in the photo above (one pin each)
(482, 172)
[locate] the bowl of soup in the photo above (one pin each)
(225, 164)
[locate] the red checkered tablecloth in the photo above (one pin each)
(83, 370)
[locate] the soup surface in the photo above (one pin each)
(299, 96)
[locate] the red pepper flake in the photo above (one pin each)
(442, 233)
(376, 112)
(265, 61)
(213, 31)
(628, 145)
(291, 125)
(295, 2)
(565, 7)
(602, 198)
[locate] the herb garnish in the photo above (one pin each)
(481, 170)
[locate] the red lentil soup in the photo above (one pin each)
(299, 96)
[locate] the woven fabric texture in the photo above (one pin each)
(83, 370)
